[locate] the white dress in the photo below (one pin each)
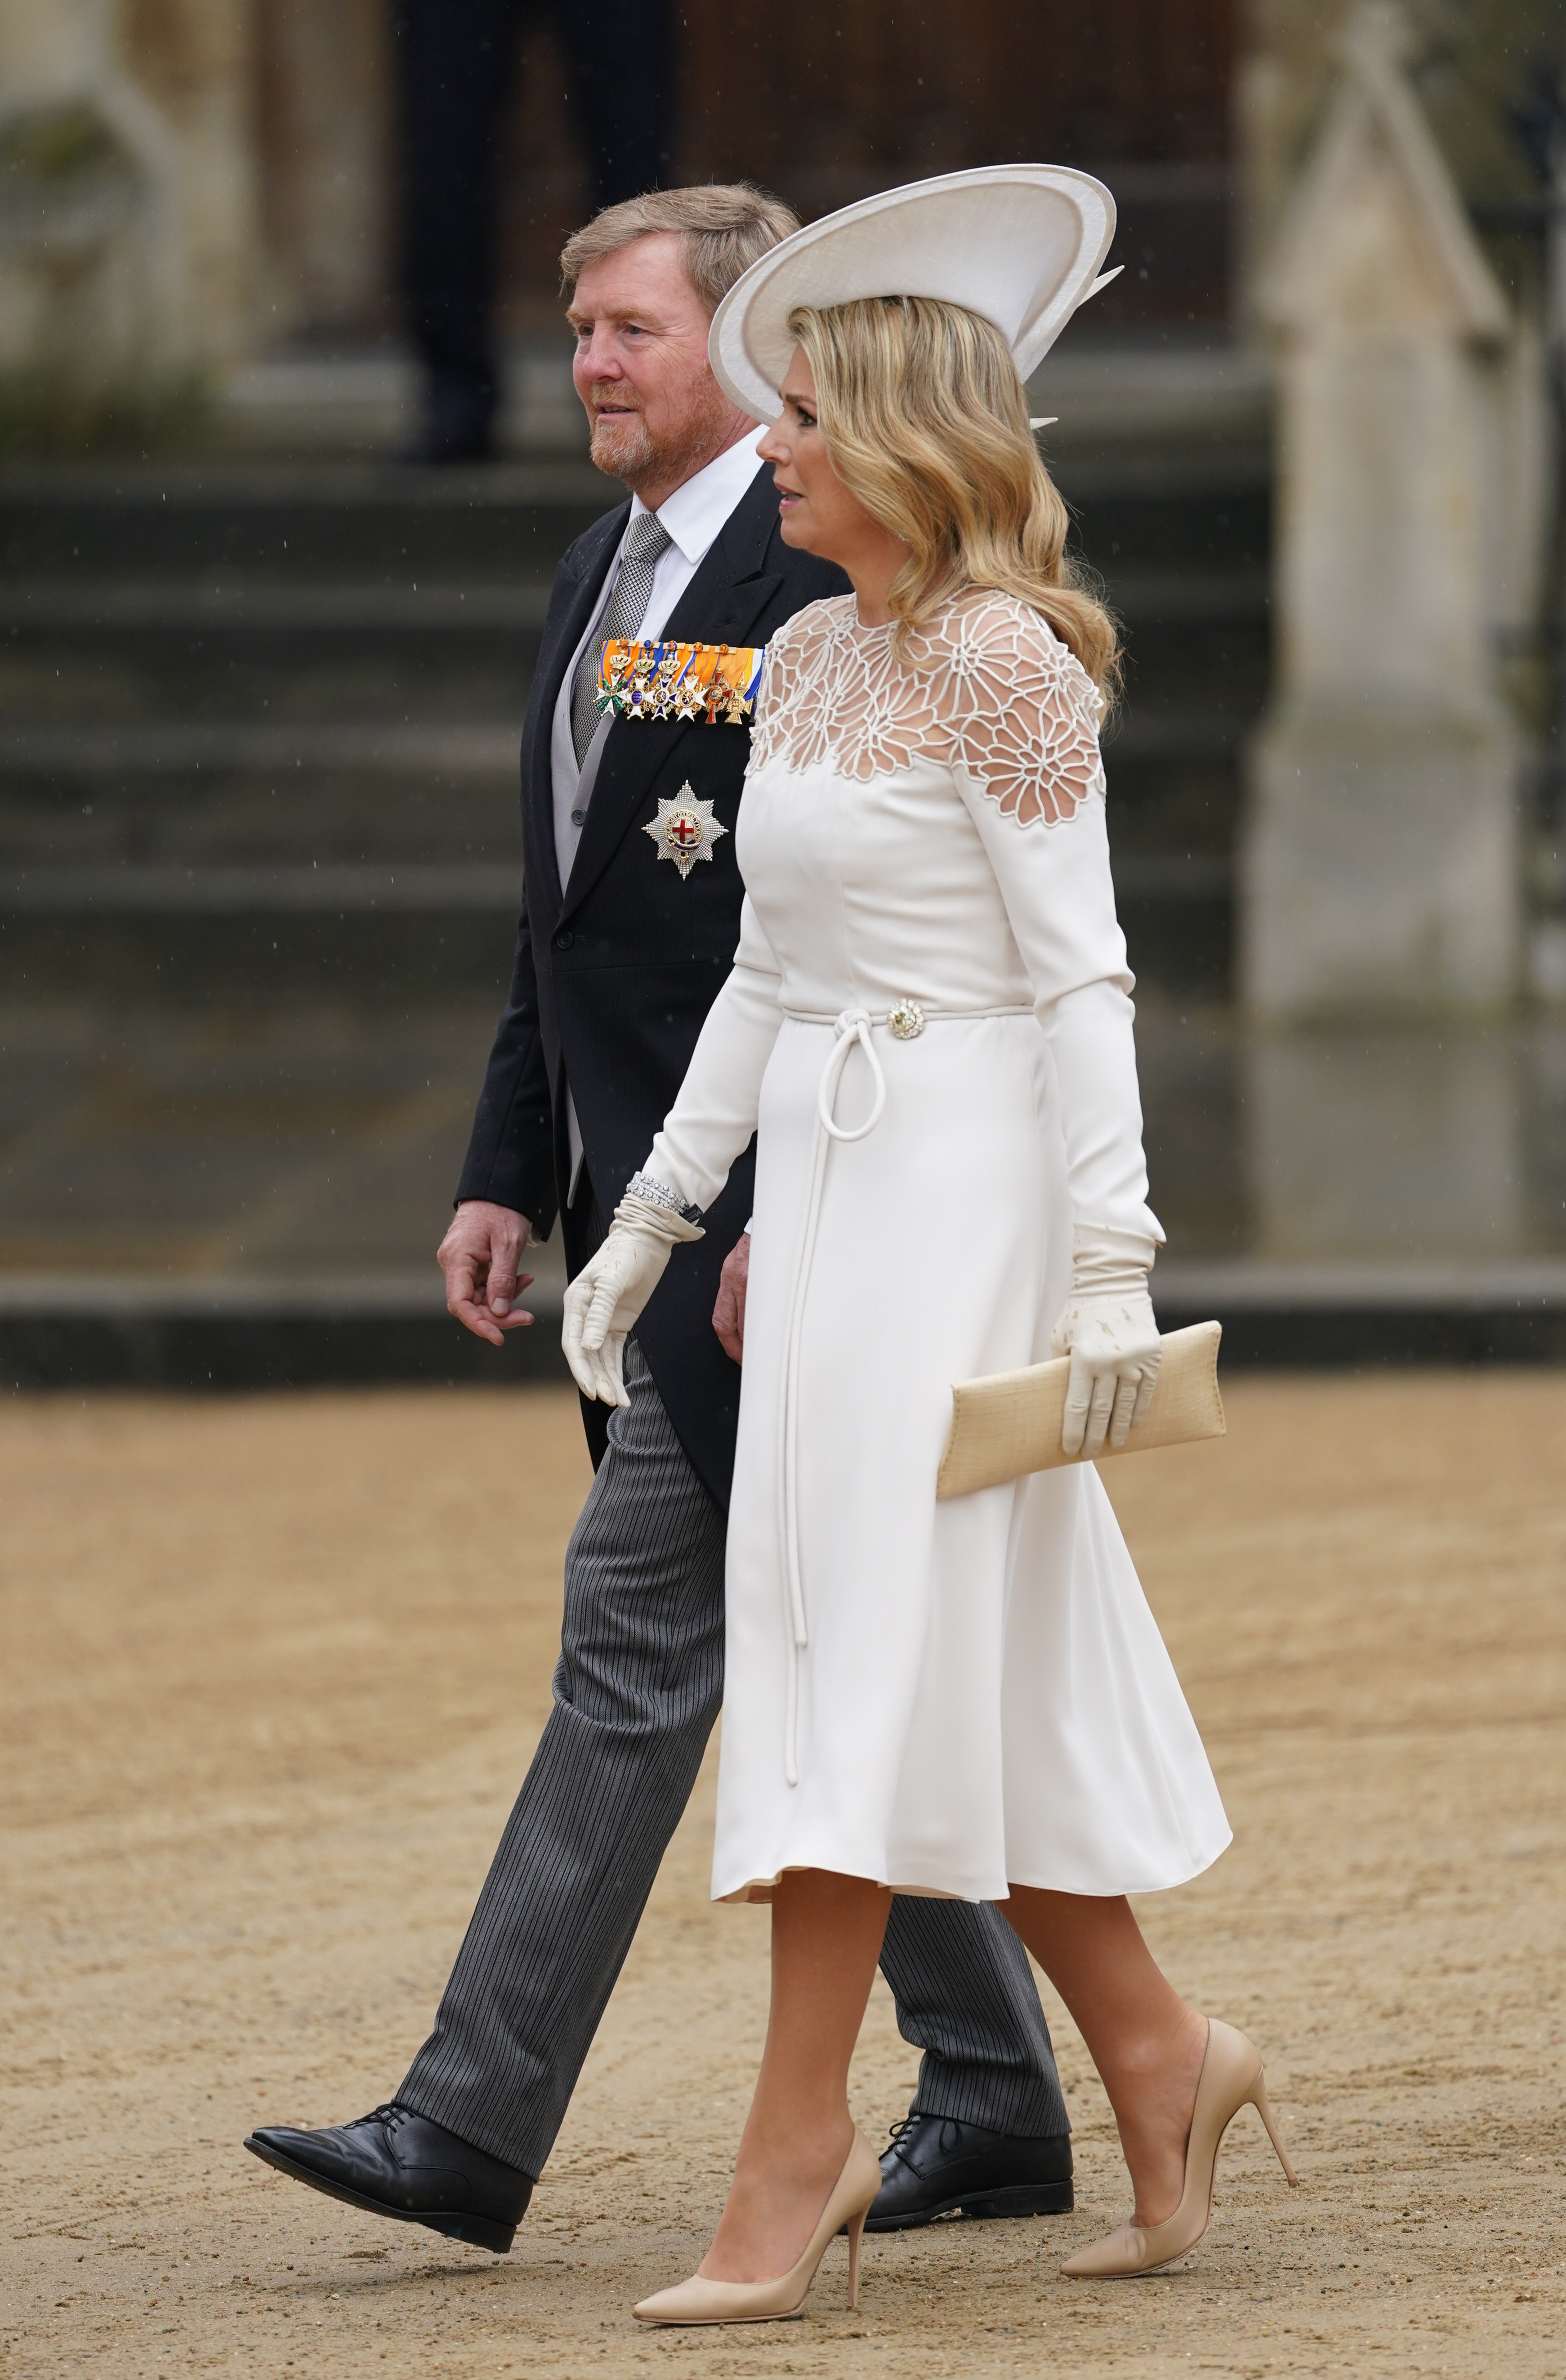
(950, 1697)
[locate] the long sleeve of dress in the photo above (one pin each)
(1026, 755)
(712, 1121)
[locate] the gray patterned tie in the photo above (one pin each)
(647, 541)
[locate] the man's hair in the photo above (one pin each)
(723, 227)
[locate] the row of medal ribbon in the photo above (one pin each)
(715, 682)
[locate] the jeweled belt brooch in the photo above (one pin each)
(685, 830)
(714, 683)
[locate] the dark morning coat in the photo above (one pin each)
(616, 970)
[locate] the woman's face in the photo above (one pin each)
(818, 513)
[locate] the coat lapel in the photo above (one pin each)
(729, 591)
(574, 597)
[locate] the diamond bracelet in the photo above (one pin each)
(658, 1193)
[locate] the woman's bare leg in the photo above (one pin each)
(827, 1934)
(1147, 2044)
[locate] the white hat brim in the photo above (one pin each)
(1019, 244)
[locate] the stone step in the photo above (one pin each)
(499, 524)
(1175, 510)
(286, 701)
(132, 1331)
(214, 822)
(75, 607)
(129, 1333)
(1171, 507)
(223, 940)
(94, 753)
(144, 809)
(357, 672)
(358, 653)
(325, 400)
(333, 888)
(440, 887)
(195, 795)
(107, 609)
(319, 1141)
(98, 755)
(226, 959)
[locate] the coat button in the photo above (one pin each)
(564, 939)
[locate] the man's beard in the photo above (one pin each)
(622, 446)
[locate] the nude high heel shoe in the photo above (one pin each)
(1230, 2076)
(853, 2195)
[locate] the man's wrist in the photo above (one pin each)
(504, 1206)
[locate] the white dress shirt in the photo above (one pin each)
(693, 517)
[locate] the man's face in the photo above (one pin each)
(655, 411)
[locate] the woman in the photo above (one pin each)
(929, 1025)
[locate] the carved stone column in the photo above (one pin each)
(1379, 859)
(128, 211)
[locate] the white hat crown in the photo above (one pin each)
(1021, 245)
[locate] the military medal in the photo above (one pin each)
(717, 683)
(610, 692)
(685, 830)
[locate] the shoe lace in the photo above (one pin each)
(897, 2133)
(391, 2115)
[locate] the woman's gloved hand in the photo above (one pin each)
(606, 1298)
(1107, 1329)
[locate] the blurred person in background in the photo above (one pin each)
(620, 957)
(457, 72)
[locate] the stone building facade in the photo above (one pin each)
(191, 182)
(194, 181)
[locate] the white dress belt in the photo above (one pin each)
(905, 1022)
(852, 1027)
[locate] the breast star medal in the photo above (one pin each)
(685, 830)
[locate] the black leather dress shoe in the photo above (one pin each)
(392, 2162)
(935, 2166)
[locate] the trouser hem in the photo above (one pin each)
(1015, 2106)
(451, 2112)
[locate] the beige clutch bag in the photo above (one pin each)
(1011, 1423)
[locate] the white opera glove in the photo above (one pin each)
(606, 1299)
(1107, 1329)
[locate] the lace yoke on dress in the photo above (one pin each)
(991, 691)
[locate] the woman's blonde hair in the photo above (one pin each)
(925, 418)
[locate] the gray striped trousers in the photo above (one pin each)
(637, 1691)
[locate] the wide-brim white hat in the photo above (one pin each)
(1020, 244)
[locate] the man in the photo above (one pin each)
(457, 70)
(619, 956)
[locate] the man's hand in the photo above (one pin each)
(478, 1256)
(728, 1315)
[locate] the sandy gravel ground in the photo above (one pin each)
(274, 1667)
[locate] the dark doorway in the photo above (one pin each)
(832, 99)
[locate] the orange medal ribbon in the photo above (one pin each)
(713, 682)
